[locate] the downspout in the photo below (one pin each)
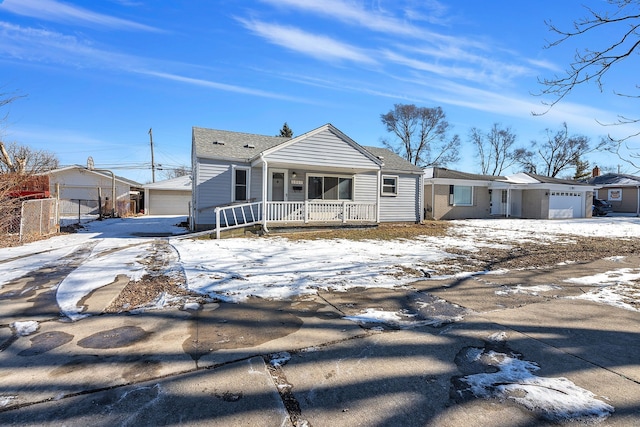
(509, 203)
(378, 194)
(265, 187)
(638, 206)
(433, 200)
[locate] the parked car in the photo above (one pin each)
(601, 207)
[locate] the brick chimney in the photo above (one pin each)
(595, 172)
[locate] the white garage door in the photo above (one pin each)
(565, 204)
(169, 202)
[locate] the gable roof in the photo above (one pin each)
(228, 145)
(614, 179)
(436, 172)
(100, 172)
(334, 130)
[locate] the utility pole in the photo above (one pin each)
(153, 165)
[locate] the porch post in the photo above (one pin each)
(378, 191)
(265, 186)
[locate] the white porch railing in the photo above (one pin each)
(311, 211)
(241, 215)
(236, 216)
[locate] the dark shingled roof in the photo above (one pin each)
(614, 179)
(451, 174)
(236, 145)
(550, 180)
(393, 162)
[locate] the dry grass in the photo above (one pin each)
(381, 232)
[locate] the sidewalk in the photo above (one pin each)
(302, 363)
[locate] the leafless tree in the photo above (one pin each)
(619, 29)
(496, 151)
(558, 153)
(422, 135)
(170, 173)
(22, 160)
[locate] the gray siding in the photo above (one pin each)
(366, 187)
(324, 149)
(212, 185)
(406, 206)
(255, 184)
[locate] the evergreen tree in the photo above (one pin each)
(286, 131)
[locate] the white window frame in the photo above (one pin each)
(323, 176)
(452, 197)
(247, 169)
(396, 179)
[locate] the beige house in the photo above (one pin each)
(450, 194)
(622, 191)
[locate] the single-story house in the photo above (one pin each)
(622, 191)
(91, 191)
(320, 177)
(168, 197)
(452, 194)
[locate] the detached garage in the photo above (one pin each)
(169, 197)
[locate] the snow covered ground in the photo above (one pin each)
(235, 269)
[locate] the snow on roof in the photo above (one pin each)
(179, 183)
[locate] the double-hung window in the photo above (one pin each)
(240, 184)
(329, 187)
(389, 185)
(461, 195)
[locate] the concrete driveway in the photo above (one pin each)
(316, 361)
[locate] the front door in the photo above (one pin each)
(499, 202)
(278, 186)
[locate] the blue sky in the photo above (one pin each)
(98, 75)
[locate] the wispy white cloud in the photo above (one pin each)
(220, 86)
(354, 13)
(55, 11)
(48, 47)
(314, 45)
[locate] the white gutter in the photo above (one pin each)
(265, 189)
(378, 194)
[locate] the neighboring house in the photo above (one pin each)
(320, 177)
(622, 191)
(85, 191)
(458, 195)
(168, 197)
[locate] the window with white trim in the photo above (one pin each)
(320, 187)
(389, 185)
(461, 195)
(240, 184)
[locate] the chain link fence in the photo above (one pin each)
(38, 218)
(76, 211)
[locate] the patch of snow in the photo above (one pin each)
(498, 337)
(98, 271)
(528, 290)
(22, 329)
(614, 277)
(372, 315)
(5, 400)
(621, 296)
(556, 399)
(279, 359)
(193, 306)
